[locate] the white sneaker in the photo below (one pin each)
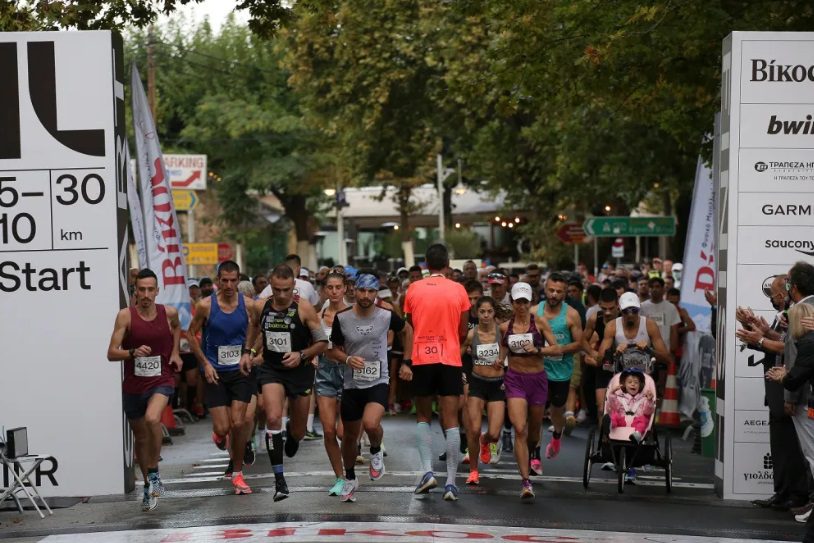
(608, 466)
(803, 517)
(376, 466)
(348, 493)
(582, 416)
(495, 448)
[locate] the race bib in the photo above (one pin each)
(278, 342)
(517, 342)
(229, 355)
(431, 348)
(370, 372)
(148, 366)
(658, 319)
(486, 354)
(184, 345)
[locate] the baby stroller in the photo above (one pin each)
(614, 445)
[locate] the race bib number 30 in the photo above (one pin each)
(370, 372)
(148, 366)
(518, 342)
(431, 348)
(486, 354)
(278, 342)
(229, 355)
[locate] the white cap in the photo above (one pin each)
(522, 290)
(629, 299)
(304, 272)
(384, 293)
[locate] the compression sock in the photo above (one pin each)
(453, 454)
(424, 446)
(350, 473)
(274, 444)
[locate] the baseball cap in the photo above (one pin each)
(629, 299)
(304, 272)
(384, 293)
(496, 278)
(192, 283)
(521, 290)
(402, 269)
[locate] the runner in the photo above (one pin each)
(146, 337)
(525, 381)
(224, 359)
(438, 310)
(483, 345)
(601, 371)
(329, 378)
(359, 339)
(566, 325)
(293, 337)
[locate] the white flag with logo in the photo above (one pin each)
(162, 232)
(136, 212)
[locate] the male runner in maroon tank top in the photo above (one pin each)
(146, 337)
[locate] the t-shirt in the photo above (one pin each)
(302, 288)
(435, 305)
(365, 337)
(665, 315)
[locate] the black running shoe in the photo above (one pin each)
(248, 454)
(280, 490)
(229, 469)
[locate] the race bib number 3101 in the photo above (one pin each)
(148, 366)
(278, 342)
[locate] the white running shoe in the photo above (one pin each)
(376, 466)
(348, 493)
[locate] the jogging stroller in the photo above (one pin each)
(614, 445)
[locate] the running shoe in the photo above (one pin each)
(451, 493)
(552, 449)
(148, 502)
(161, 490)
(474, 478)
(582, 416)
(376, 466)
(336, 490)
(485, 451)
(465, 458)
(570, 424)
(526, 492)
(426, 484)
(348, 493)
(630, 476)
(229, 469)
(240, 485)
(803, 517)
(536, 467)
(154, 484)
(508, 446)
(280, 489)
(291, 446)
(494, 451)
(608, 466)
(312, 435)
(248, 454)
(219, 441)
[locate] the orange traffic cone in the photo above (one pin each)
(169, 422)
(669, 404)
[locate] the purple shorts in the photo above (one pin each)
(532, 387)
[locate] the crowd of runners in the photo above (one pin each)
(493, 354)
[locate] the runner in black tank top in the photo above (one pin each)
(602, 370)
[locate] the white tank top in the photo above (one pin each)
(641, 333)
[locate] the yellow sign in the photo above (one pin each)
(185, 200)
(201, 254)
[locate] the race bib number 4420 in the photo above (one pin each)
(148, 366)
(278, 342)
(229, 355)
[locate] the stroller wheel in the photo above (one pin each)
(589, 454)
(621, 470)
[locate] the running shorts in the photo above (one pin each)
(354, 400)
(232, 386)
(532, 387)
(329, 378)
(190, 362)
(558, 392)
(296, 382)
(489, 389)
(135, 405)
(437, 379)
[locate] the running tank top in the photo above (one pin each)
(641, 333)
(226, 335)
(283, 332)
(148, 372)
(515, 342)
(559, 368)
(485, 354)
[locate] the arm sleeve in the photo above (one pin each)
(337, 338)
(396, 322)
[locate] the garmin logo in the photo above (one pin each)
(763, 71)
(778, 126)
(803, 246)
(795, 210)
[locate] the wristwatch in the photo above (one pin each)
(760, 342)
(407, 362)
(302, 356)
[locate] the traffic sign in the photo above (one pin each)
(618, 248)
(201, 254)
(185, 200)
(225, 252)
(571, 232)
(186, 171)
(611, 227)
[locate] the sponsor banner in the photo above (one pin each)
(775, 209)
(776, 171)
(63, 253)
(776, 71)
(186, 171)
(777, 126)
(136, 214)
(752, 469)
(750, 393)
(163, 234)
(752, 426)
(748, 363)
(753, 287)
(778, 245)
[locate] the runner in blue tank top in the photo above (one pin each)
(567, 328)
(224, 359)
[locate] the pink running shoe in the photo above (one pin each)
(552, 449)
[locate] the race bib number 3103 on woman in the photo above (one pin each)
(518, 342)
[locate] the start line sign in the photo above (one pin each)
(186, 171)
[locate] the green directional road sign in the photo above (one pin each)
(614, 227)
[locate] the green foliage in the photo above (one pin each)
(463, 243)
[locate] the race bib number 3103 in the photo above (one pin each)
(229, 355)
(148, 366)
(518, 342)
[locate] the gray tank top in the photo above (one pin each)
(641, 333)
(366, 337)
(485, 354)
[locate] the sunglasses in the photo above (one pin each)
(630, 310)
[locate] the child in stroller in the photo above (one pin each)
(630, 398)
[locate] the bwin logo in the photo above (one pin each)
(777, 126)
(761, 166)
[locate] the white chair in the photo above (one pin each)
(20, 465)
